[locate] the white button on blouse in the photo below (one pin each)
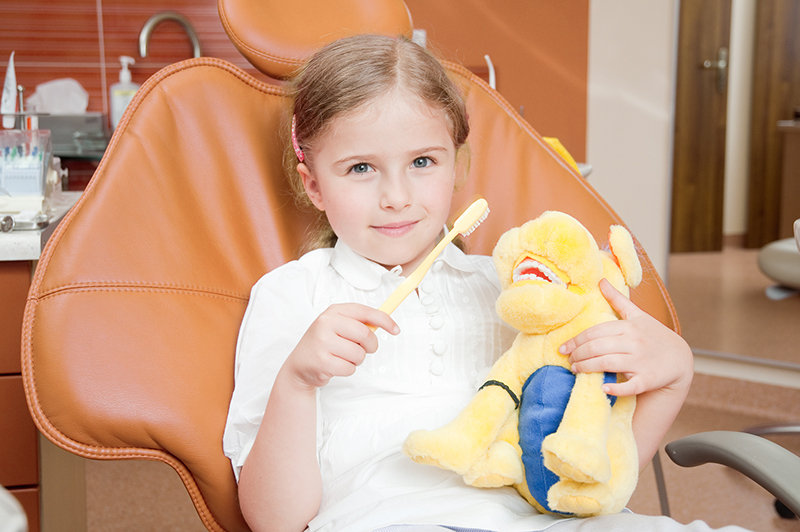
(440, 348)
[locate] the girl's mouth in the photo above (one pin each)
(395, 229)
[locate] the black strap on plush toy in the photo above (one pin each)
(506, 388)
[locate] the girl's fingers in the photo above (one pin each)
(340, 367)
(608, 329)
(356, 334)
(622, 389)
(616, 344)
(337, 342)
(343, 331)
(610, 363)
(351, 352)
(361, 329)
(624, 306)
(375, 317)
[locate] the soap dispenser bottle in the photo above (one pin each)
(122, 93)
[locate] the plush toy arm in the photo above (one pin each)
(624, 251)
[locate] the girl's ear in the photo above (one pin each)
(311, 185)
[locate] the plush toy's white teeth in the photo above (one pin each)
(531, 270)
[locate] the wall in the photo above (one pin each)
(539, 50)
(632, 58)
(740, 94)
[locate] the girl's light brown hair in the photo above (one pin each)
(348, 74)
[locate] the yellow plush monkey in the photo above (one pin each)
(565, 445)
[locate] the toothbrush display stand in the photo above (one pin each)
(24, 161)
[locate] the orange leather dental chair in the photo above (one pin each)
(134, 310)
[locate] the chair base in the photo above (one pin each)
(780, 261)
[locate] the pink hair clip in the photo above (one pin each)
(300, 155)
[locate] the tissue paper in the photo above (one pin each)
(59, 97)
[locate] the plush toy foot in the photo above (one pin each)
(580, 499)
(441, 448)
(421, 447)
(500, 466)
(574, 458)
(461, 443)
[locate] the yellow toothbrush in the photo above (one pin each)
(469, 220)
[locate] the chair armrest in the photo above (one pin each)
(788, 429)
(764, 461)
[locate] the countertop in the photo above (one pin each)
(28, 245)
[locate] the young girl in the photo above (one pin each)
(322, 403)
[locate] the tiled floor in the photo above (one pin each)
(720, 301)
(133, 496)
(721, 305)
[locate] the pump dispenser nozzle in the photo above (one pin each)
(125, 74)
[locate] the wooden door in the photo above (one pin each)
(776, 93)
(698, 175)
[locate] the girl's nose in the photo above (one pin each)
(395, 192)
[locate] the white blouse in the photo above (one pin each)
(422, 378)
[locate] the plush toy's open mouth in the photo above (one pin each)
(530, 269)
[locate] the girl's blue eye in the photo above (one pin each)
(422, 162)
(360, 168)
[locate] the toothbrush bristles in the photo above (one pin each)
(476, 224)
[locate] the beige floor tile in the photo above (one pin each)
(721, 305)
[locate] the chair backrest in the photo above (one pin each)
(134, 310)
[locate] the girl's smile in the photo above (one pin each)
(395, 229)
(384, 175)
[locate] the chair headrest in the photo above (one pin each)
(278, 36)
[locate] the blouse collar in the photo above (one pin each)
(365, 274)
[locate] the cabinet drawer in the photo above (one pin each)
(19, 456)
(15, 280)
(29, 499)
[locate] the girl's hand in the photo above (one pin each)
(335, 344)
(651, 355)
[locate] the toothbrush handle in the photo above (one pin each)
(412, 281)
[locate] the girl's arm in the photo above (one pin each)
(280, 486)
(657, 362)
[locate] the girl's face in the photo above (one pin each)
(384, 175)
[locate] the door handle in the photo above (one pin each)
(721, 66)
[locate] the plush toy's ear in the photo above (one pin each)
(624, 251)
